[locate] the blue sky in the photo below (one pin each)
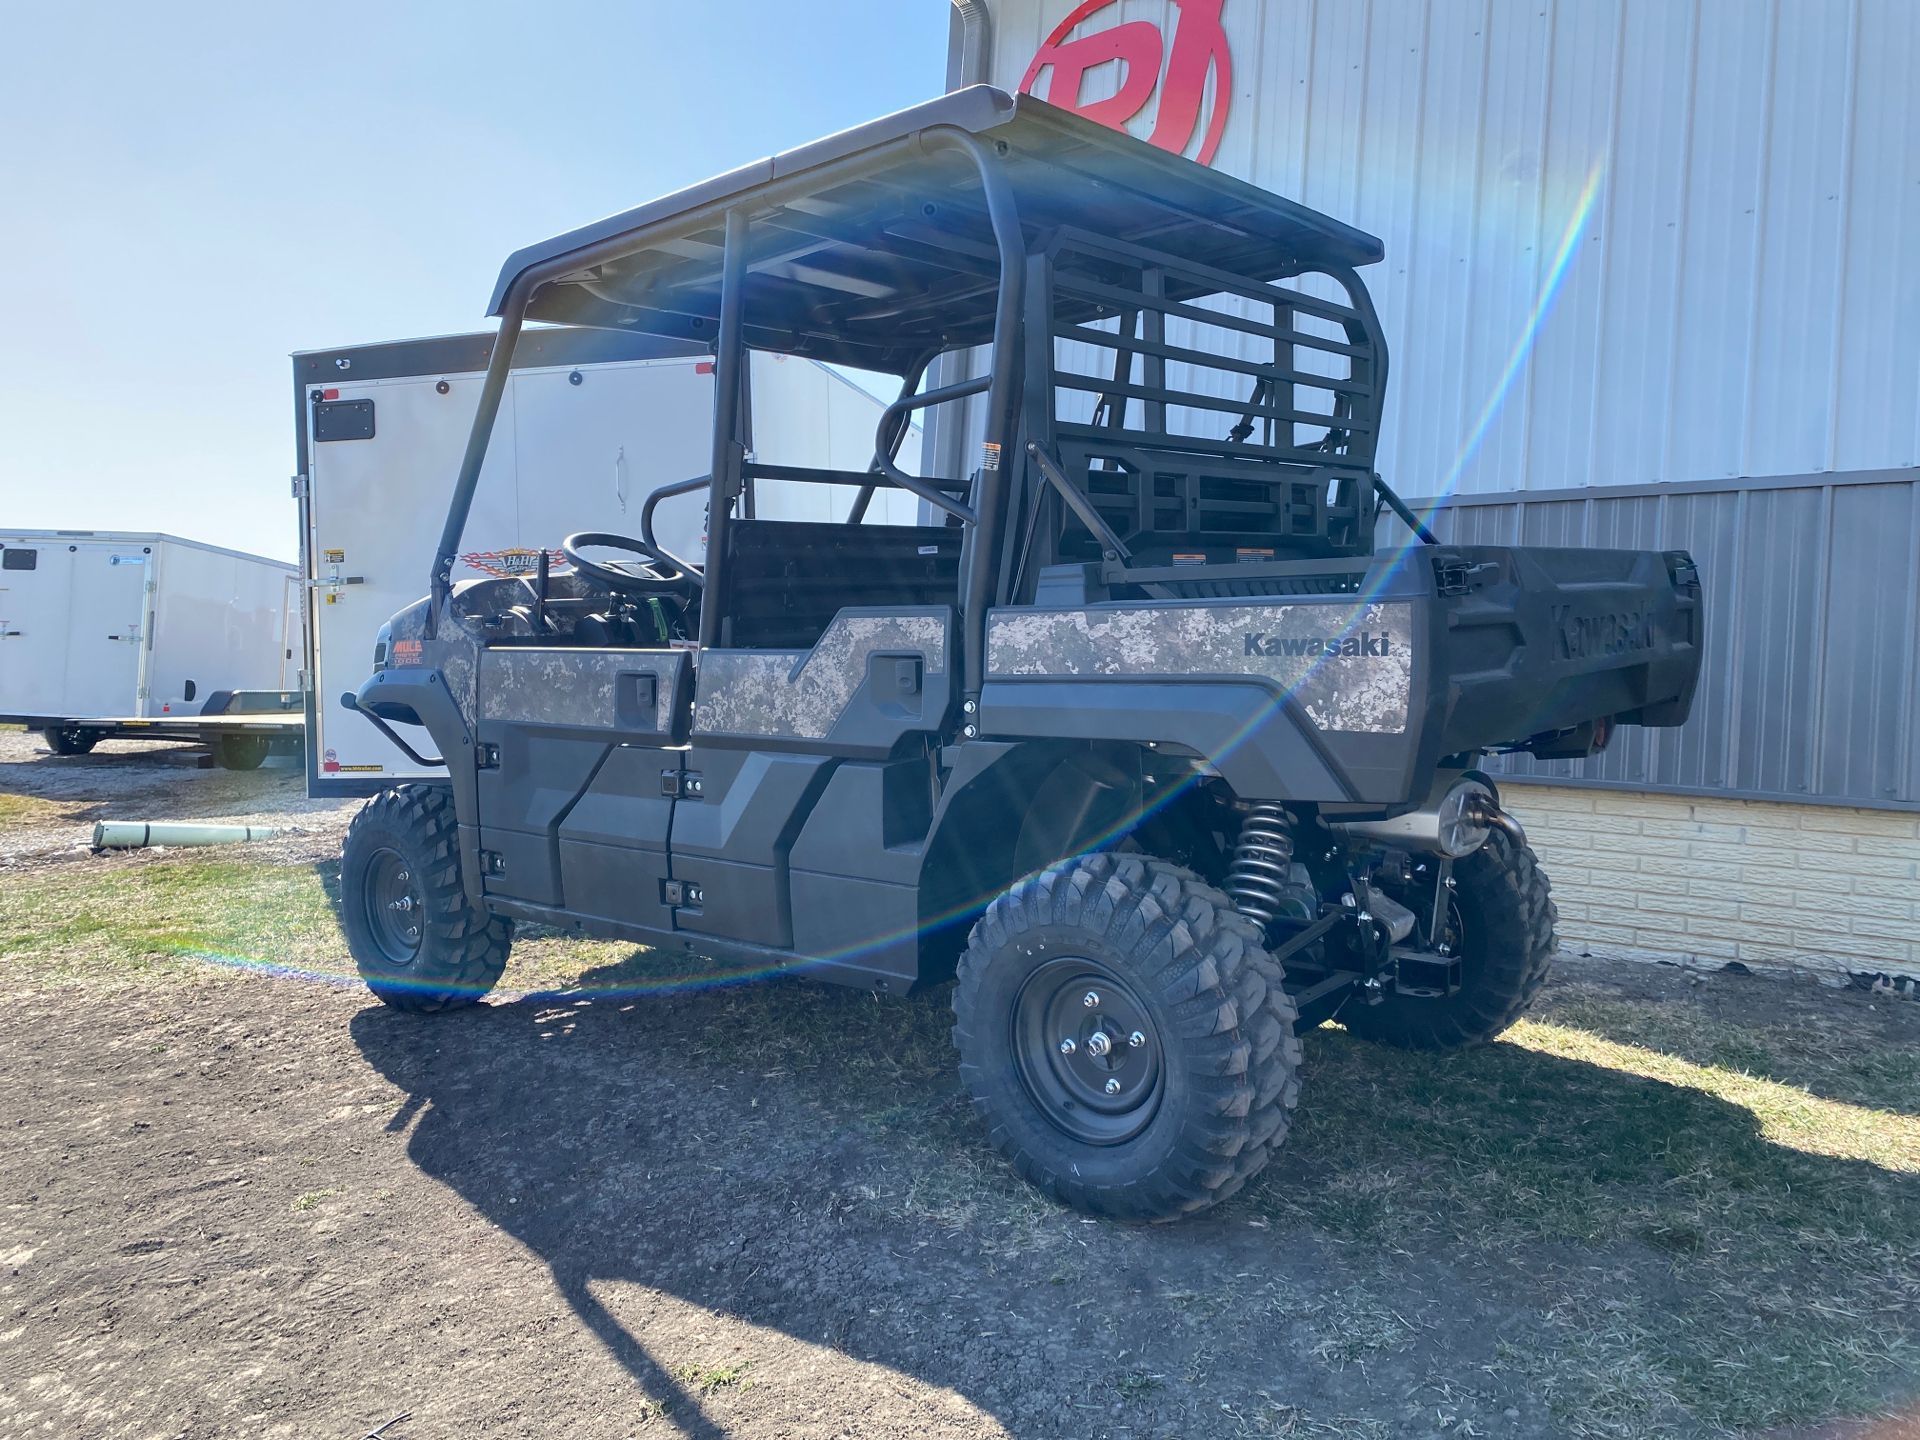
(190, 193)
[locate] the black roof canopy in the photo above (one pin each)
(872, 247)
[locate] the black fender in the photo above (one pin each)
(1252, 734)
(420, 696)
(1007, 810)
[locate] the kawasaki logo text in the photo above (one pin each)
(1583, 637)
(1364, 643)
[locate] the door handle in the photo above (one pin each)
(620, 478)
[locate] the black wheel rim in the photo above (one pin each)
(1087, 1050)
(392, 902)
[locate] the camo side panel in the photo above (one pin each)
(1350, 667)
(451, 654)
(565, 686)
(803, 693)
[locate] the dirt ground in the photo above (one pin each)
(241, 1199)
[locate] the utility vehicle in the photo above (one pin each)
(1141, 737)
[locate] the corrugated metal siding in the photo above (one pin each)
(1741, 299)
(1812, 673)
(1734, 186)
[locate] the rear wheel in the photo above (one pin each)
(242, 752)
(1125, 1037)
(1501, 917)
(71, 739)
(417, 940)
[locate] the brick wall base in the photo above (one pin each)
(1704, 882)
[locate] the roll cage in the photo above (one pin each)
(1129, 303)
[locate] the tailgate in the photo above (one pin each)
(1533, 640)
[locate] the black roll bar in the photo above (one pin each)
(887, 442)
(499, 366)
(982, 543)
(896, 414)
(982, 547)
(1400, 508)
(667, 492)
(729, 356)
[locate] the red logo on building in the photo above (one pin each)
(1142, 51)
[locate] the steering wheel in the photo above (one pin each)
(665, 574)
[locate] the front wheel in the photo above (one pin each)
(417, 940)
(1125, 1037)
(1500, 915)
(71, 739)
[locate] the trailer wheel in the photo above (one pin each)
(71, 739)
(1125, 1037)
(417, 940)
(1501, 916)
(242, 752)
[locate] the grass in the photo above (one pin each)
(1712, 1218)
(172, 917)
(27, 809)
(709, 1378)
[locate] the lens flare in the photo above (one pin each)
(1550, 286)
(684, 980)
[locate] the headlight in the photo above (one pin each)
(1460, 824)
(1455, 824)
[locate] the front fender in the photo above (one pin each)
(418, 695)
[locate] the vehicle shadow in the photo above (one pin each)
(744, 1149)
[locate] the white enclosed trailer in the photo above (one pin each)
(591, 425)
(134, 633)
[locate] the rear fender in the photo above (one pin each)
(1253, 735)
(1050, 799)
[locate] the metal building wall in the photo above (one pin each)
(1662, 249)
(1736, 183)
(1812, 678)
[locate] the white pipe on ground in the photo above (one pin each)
(138, 834)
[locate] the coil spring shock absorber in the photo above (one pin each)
(1260, 879)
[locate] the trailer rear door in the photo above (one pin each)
(574, 448)
(73, 622)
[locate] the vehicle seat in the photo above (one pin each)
(786, 580)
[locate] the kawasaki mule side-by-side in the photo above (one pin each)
(1142, 739)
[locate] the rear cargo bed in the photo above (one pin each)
(1536, 640)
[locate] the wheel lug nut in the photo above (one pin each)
(1067, 1047)
(1090, 999)
(1136, 1040)
(1113, 1087)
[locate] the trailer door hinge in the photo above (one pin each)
(679, 893)
(299, 487)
